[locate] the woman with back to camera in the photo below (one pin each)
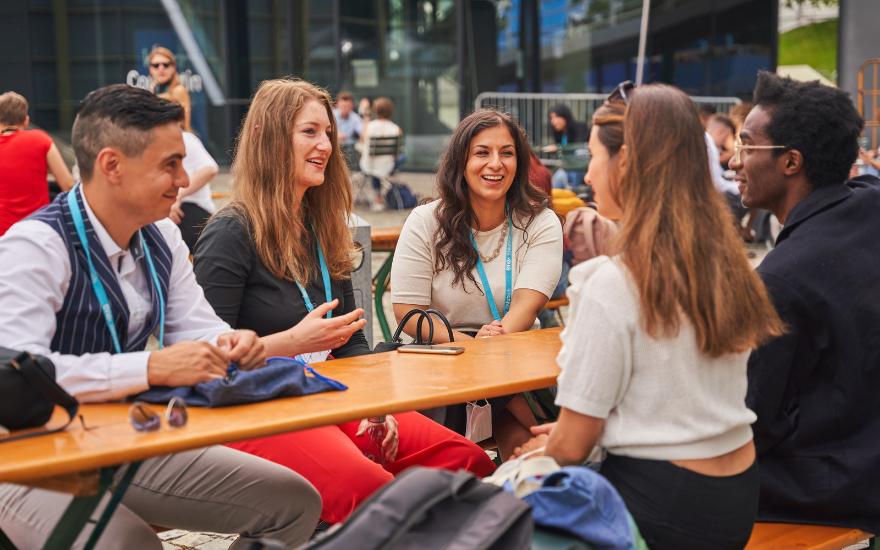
(277, 260)
(487, 254)
(654, 355)
(166, 81)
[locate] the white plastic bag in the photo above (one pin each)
(479, 422)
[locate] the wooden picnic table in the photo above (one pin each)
(378, 384)
(383, 239)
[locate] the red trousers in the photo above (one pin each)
(332, 458)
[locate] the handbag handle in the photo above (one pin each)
(445, 322)
(410, 313)
(418, 340)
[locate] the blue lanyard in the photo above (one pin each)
(325, 275)
(508, 271)
(98, 286)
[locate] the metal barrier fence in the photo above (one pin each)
(532, 111)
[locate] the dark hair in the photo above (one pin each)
(563, 111)
(344, 96)
(723, 120)
(119, 116)
(454, 214)
(383, 107)
(819, 121)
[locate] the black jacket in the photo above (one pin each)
(816, 390)
(245, 294)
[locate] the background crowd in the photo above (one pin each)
(720, 394)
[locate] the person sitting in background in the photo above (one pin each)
(283, 270)
(723, 132)
(194, 205)
(350, 124)
(814, 390)
(380, 166)
(166, 82)
(566, 131)
(489, 224)
(25, 158)
(654, 357)
(85, 282)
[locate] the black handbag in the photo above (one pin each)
(396, 342)
(29, 393)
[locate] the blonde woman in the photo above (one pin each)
(166, 82)
(277, 260)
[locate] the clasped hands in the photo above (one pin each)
(492, 329)
(542, 435)
(392, 439)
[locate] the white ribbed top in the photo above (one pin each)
(662, 399)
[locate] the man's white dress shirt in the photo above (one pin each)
(34, 280)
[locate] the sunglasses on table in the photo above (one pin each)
(157, 65)
(619, 93)
(144, 419)
(738, 147)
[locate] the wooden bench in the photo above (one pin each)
(786, 536)
(554, 306)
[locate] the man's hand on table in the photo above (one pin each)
(194, 362)
(244, 348)
(542, 434)
(391, 441)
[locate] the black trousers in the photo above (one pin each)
(194, 220)
(677, 509)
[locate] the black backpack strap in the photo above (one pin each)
(29, 367)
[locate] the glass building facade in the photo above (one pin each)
(431, 57)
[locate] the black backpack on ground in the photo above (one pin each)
(426, 509)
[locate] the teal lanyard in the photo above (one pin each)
(508, 271)
(98, 286)
(325, 275)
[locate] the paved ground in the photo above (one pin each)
(421, 184)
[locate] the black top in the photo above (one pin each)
(815, 390)
(245, 294)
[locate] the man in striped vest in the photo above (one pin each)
(85, 281)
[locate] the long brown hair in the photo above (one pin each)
(677, 238)
(263, 194)
(454, 214)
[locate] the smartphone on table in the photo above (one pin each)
(438, 350)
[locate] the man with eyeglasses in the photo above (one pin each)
(85, 281)
(815, 389)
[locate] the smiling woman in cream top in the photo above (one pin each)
(487, 254)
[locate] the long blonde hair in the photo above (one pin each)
(677, 236)
(263, 194)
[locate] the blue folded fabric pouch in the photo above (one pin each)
(280, 377)
(579, 502)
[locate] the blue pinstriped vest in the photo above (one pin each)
(80, 326)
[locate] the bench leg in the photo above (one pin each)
(381, 282)
(81, 509)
